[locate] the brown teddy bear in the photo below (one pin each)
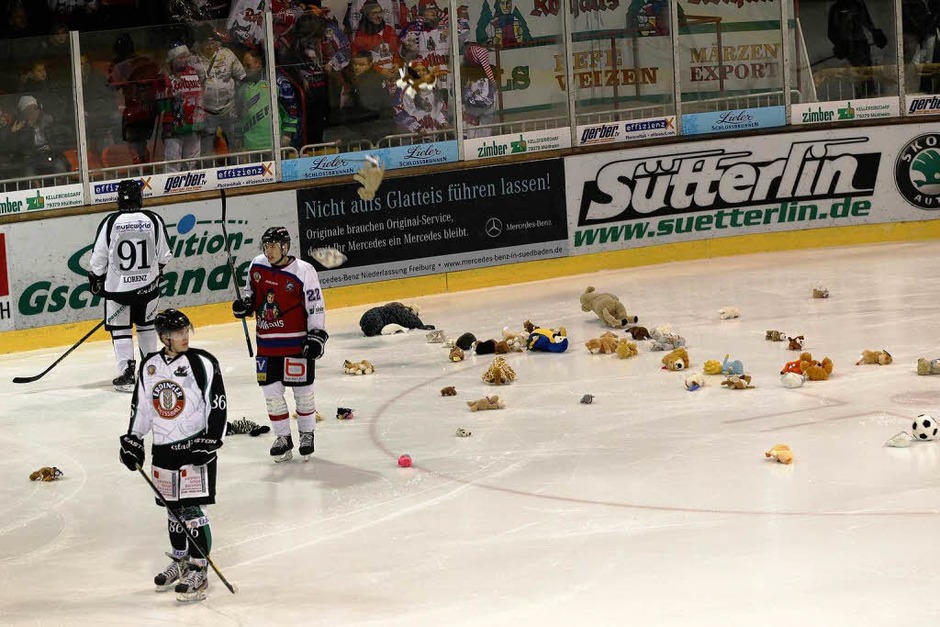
(455, 354)
(607, 307)
(882, 358)
(738, 382)
(796, 343)
(780, 453)
(626, 349)
(449, 391)
(815, 370)
(487, 402)
(639, 333)
(358, 367)
(499, 372)
(603, 345)
(678, 359)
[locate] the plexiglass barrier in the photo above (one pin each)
(304, 93)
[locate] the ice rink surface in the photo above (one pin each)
(651, 506)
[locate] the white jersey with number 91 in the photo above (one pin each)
(129, 249)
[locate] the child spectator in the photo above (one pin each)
(139, 79)
(378, 38)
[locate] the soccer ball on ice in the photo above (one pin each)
(925, 427)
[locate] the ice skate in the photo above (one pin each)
(171, 574)
(125, 382)
(281, 450)
(306, 444)
(195, 585)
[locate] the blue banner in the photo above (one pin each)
(348, 163)
(733, 120)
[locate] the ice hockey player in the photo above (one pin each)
(180, 399)
(131, 248)
(284, 293)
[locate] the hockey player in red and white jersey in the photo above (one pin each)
(131, 248)
(180, 400)
(284, 294)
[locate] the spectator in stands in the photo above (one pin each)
(378, 38)
(139, 79)
(55, 97)
(920, 20)
(181, 106)
(371, 114)
(427, 40)
(321, 53)
(254, 108)
(222, 69)
(25, 19)
(33, 144)
(75, 14)
(101, 117)
(289, 99)
(480, 91)
(391, 11)
(421, 111)
(848, 22)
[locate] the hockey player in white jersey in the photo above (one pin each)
(131, 248)
(180, 399)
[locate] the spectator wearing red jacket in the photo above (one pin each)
(379, 39)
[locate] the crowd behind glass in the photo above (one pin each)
(185, 83)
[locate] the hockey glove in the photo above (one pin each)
(202, 450)
(241, 307)
(132, 451)
(315, 343)
(96, 283)
(879, 38)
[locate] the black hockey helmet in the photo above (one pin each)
(277, 234)
(170, 320)
(129, 196)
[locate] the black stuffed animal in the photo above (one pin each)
(374, 320)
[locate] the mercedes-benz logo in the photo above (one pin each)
(494, 227)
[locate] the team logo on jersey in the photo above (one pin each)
(256, 276)
(181, 371)
(169, 400)
(917, 171)
(151, 370)
(290, 286)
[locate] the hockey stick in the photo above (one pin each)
(66, 353)
(231, 265)
(233, 588)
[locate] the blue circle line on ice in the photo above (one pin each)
(380, 413)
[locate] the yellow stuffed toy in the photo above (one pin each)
(677, 359)
(626, 348)
(780, 453)
(712, 366)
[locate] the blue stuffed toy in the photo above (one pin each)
(548, 340)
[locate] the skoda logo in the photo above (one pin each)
(494, 227)
(917, 171)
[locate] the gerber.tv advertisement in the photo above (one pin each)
(445, 222)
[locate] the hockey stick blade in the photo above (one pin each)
(69, 351)
(327, 257)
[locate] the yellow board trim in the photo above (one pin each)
(401, 289)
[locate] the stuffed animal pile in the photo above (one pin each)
(603, 345)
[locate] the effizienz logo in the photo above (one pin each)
(917, 171)
(716, 179)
